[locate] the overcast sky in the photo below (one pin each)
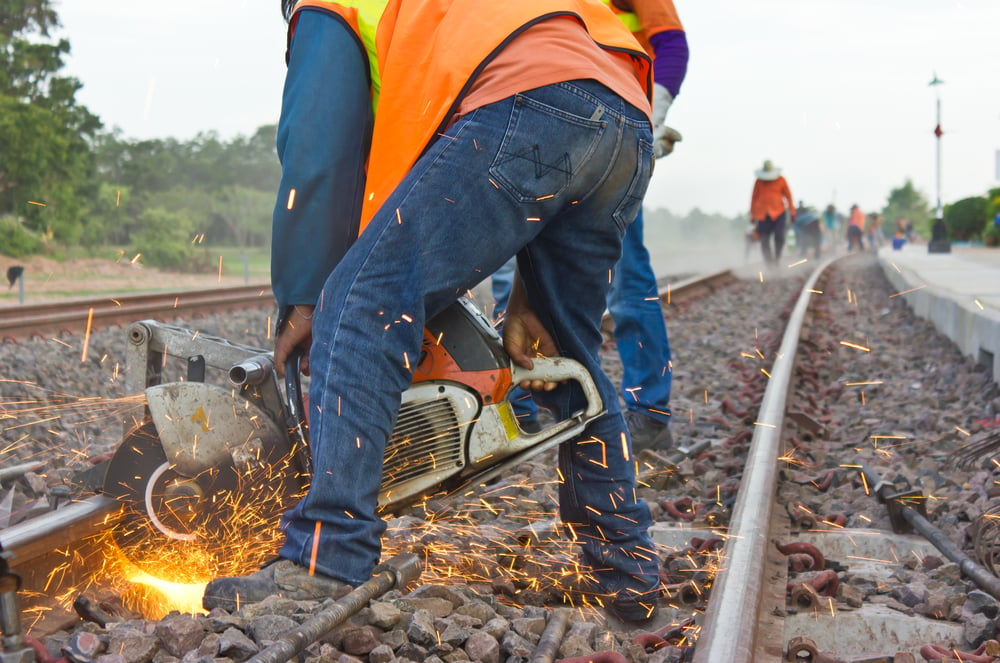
(835, 92)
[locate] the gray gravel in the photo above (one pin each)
(61, 409)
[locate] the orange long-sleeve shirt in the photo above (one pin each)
(771, 198)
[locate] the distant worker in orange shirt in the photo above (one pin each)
(856, 229)
(770, 206)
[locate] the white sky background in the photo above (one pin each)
(835, 92)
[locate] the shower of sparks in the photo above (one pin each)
(315, 548)
(906, 292)
(86, 335)
(242, 532)
(233, 532)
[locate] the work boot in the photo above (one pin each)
(647, 432)
(282, 577)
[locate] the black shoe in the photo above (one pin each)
(647, 432)
(280, 578)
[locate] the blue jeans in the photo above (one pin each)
(768, 227)
(554, 175)
(640, 331)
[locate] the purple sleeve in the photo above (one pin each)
(670, 61)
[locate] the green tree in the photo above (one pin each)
(908, 203)
(164, 239)
(991, 231)
(966, 218)
(242, 216)
(45, 158)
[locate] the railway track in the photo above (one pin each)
(803, 417)
(84, 315)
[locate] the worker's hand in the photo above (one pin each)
(525, 338)
(295, 332)
(664, 143)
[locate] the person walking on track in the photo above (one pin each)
(770, 207)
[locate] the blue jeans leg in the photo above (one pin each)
(555, 175)
(640, 330)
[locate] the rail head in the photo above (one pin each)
(730, 626)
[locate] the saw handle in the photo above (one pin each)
(293, 390)
(560, 369)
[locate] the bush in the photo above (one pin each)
(965, 218)
(991, 235)
(17, 241)
(163, 239)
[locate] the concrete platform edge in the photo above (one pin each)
(974, 331)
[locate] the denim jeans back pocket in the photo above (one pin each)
(543, 150)
(631, 203)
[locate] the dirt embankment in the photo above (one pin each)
(45, 279)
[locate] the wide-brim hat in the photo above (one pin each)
(768, 172)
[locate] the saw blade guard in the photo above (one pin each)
(202, 426)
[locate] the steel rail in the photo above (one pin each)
(671, 293)
(34, 538)
(77, 315)
(729, 630)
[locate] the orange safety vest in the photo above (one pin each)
(425, 55)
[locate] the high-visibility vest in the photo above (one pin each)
(425, 54)
(630, 19)
(663, 17)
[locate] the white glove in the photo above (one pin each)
(664, 137)
(664, 145)
(661, 102)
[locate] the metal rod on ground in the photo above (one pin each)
(15, 471)
(552, 637)
(397, 572)
(979, 575)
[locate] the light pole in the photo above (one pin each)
(939, 234)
